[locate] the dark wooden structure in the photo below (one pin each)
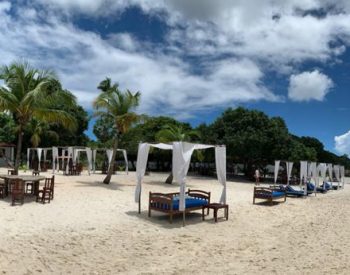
(47, 193)
(165, 202)
(17, 192)
(268, 194)
(215, 207)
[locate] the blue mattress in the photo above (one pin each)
(277, 194)
(190, 202)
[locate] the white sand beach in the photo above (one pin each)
(92, 228)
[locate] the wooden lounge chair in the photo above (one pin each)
(169, 202)
(17, 191)
(268, 194)
(47, 193)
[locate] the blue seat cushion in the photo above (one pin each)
(277, 194)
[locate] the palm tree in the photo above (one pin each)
(118, 106)
(38, 129)
(31, 93)
(171, 133)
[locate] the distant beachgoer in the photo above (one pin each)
(257, 177)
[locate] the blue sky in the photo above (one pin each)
(192, 59)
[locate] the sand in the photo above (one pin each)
(92, 228)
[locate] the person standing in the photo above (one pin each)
(257, 176)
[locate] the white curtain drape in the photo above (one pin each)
(220, 161)
(70, 156)
(337, 173)
(45, 155)
(141, 163)
(303, 171)
(54, 158)
(330, 172)
(28, 156)
(342, 176)
(303, 175)
(89, 158)
(182, 153)
(126, 161)
(277, 168)
(313, 173)
(109, 153)
(39, 152)
(289, 170)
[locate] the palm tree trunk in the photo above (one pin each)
(170, 178)
(19, 149)
(107, 179)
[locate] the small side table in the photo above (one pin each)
(215, 207)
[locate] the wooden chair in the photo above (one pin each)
(2, 190)
(47, 193)
(17, 191)
(30, 185)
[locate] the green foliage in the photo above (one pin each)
(119, 107)
(29, 94)
(104, 130)
(171, 133)
(7, 128)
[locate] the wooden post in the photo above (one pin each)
(183, 217)
(140, 203)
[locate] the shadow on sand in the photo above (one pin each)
(162, 219)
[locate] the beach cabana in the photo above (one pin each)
(109, 153)
(7, 152)
(40, 152)
(182, 152)
(77, 153)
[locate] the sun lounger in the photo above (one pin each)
(311, 188)
(268, 194)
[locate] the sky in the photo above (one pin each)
(192, 59)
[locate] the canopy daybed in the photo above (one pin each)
(40, 152)
(109, 153)
(182, 152)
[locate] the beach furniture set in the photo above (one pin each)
(21, 186)
(195, 200)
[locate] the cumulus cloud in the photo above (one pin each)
(234, 43)
(308, 86)
(82, 59)
(342, 143)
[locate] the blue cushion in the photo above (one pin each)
(277, 194)
(310, 186)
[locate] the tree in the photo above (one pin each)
(7, 128)
(119, 107)
(38, 129)
(31, 93)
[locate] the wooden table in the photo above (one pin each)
(215, 207)
(25, 179)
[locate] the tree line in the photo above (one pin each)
(37, 111)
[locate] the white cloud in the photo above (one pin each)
(82, 59)
(308, 86)
(342, 143)
(253, 36)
